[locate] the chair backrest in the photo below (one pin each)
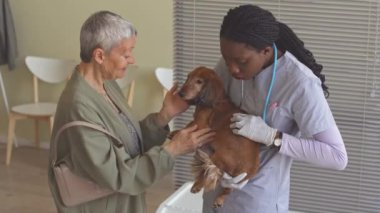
(165, 77)
(50, 70)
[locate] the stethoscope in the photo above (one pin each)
(264, 114)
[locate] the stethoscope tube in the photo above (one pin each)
(264, 115)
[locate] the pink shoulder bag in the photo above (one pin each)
(72, 188)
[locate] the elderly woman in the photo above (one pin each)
(92, 95)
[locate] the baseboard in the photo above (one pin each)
(25, 142)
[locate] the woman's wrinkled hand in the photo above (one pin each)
(189, 139)
(172, 106)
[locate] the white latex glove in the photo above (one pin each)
(233, 182)
(253, 128)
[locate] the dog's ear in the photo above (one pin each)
(213, 90)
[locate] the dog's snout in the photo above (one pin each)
(181, 93)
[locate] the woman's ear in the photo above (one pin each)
(98, 55)
(267, 51)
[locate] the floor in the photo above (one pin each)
(24, 189)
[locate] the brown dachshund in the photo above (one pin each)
(228, 153)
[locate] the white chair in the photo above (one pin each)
(129, 81)
(48, 70)
(165, 77)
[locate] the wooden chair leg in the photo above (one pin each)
(131, 93)
(51, 122)
(11, 133)
(36, 133)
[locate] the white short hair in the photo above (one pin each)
(104, 30)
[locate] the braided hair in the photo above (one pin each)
(258, 28)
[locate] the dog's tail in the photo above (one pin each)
(202, 165)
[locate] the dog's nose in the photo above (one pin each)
(181, 94)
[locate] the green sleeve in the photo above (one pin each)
(153, 134)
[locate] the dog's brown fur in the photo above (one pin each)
(228, 153)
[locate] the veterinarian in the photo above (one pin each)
(92, 94)
(269, 73)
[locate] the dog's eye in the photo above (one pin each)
(199, 81)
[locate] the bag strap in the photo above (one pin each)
(78, 123)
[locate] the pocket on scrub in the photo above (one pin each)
(281, 118)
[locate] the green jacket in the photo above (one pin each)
(91, 154)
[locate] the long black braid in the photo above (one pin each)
(258, 28)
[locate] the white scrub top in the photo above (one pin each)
(297, 106)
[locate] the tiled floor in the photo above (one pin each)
(24, 189)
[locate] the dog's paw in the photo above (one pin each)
(218, 202)
(195, 189)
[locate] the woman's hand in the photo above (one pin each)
(172, 106)
(228, 181)
(253, 128)
(188, 139)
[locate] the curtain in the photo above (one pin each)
(8, 45)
